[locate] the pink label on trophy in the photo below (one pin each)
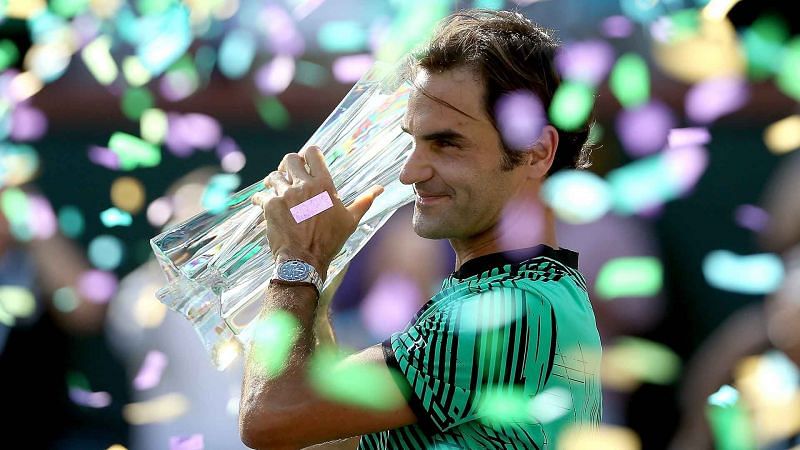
(311, 207)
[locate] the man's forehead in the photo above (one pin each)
(461, 88)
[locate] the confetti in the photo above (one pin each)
(65, 299)
(275, 76)
(153, 125)
(236, 53)
(606, 437)
(643, 130)
(342, 36)
(27, 124)
(520, 119)
(97, 57)
(159, 211)
(104, 157)
(730, 424)
(571, 105)
(127, 193)
(193, 442)
(390, 303)
(273, 113)
(751, 274)
(688, 137)
(18, 164)
(134, 152)
(709, 100)
(783, 136)
(273, 338)
(160, 409)
(97, 286)
(164, 39)
(630, 80)
(630, 361)
(135, 101)
(577, 196)
(105, 252)
(617, 27)
(149, 374)
(17, 301)
(751, 217)
(349, 69)
(630, 277)
(586, 61)
(114, 217)
(71, 221)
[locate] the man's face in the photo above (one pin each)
(455, 167)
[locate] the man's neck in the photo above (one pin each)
(514, 235)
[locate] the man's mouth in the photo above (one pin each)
(429, 199)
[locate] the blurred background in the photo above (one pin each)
(117, 119)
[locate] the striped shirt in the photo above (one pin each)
(509, 325)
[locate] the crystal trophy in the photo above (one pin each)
(218, 263)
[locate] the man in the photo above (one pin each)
(513, 319)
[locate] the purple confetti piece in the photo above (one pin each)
(282, 32)
(685, 166)
(193, 442)
(27, 124)
(520, 118)
(349, 69)
(711, 99)
(644, 130)
(275, 76)
(226, 145)
(97, 286)
(104, 157)
(587, 61)
(682, 137)
(205, 133)
(311, 207)
(87, 398)
(43, 220)
(751, 217)
(176, 140)
(617, 27)
(390, 303)
(149, 374)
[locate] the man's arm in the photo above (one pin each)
(285, 412)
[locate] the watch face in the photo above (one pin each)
(293, 271)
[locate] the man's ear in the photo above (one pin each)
(543, 153)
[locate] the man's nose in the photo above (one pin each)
(416, 169)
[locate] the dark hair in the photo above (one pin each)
(510, 53)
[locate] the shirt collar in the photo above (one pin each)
(484, 263)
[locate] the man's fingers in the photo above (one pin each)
(278, 181)
(360, 206)
(316, 162)
(295, 166)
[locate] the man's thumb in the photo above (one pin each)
(363, 203)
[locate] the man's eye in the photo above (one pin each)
(442, 143)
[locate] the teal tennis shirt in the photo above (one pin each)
(512, 325)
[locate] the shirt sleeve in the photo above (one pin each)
(488, 341)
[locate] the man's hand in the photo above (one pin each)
(318, 239)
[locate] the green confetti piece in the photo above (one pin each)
(105, 252)
(71, 221)
(630, 277)
(135, 101)
(763, 45)
(342, 36)
(414, 23)
(78, 380)
(154, 125)
(68, 8)
(648, 361)
(163, 38)
(115, 217)
(273, 113)
(9, 54)
(489, 4)
(685, 24)
(577, 196)
(236, 53)
(204, 60)
(730, 423)
(134, 152)
(273, 338)
(310, 74)
(15, 206)
(630, 80)
(97, 57)
(65, 299)
(505, 407)
(758, 274)
(571, 105)
(153, 7)
(788, 77)
(356, 384)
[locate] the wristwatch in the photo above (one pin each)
(296, 272)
